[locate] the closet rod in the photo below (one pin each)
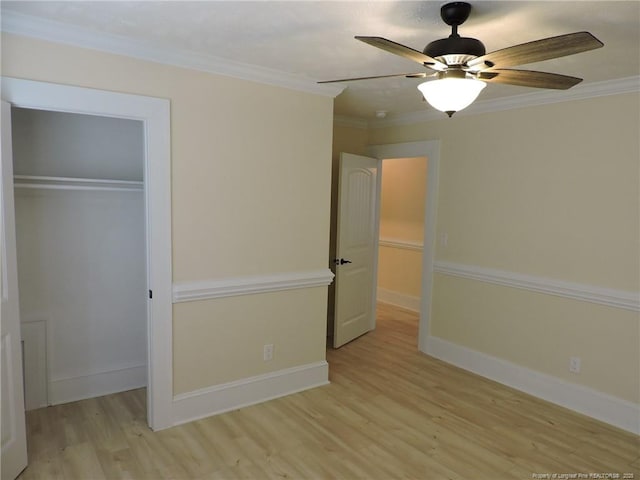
(69, 183)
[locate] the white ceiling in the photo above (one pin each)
(315, 39)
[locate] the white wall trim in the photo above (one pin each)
(431, 150)
(49, 30)
(63, 390)
(606, 408)
(402, 244)
(577, 291)
(248, 391)
(535, 98)
(156, 115)
(234, 286)
(52, 31)
(408, 302)
(67, 183)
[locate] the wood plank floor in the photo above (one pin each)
(390, 412)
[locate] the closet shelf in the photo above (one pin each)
(68, 183)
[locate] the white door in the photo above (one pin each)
(356, 248)
(14, 440)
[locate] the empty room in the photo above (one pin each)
(312, 240)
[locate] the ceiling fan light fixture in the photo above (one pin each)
(450, 95)
(462, 65)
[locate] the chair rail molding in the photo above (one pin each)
(577, 291)
(399, 243)
(248, 285)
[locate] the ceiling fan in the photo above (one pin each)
(461, 66)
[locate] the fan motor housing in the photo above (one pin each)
(455, 13)
(458, 46)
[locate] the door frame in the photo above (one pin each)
(155, 115)
(431, 150)
(14, 456)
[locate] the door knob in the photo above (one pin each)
(341, 261)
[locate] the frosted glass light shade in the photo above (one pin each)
(451, 95)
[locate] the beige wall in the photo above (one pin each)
(251, 176)
(402, 199)
(233, 330)
(402, 213)
(349, 139)
(399, 272)
(550, 191)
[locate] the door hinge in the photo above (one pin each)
(150, 293)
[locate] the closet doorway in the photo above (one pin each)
(154, 114)
(81, 254)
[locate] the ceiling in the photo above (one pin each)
(315, 39)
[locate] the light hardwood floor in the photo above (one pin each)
(390, 412)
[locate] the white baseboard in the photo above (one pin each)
(606, 408)
(248, 391)
(398, 299)
(98, 384)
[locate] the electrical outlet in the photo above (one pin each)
(267, 352)
(574, 364)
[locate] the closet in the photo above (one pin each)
(81, 246)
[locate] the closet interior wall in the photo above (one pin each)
(80, 228)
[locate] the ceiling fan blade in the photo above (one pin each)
(421, 75)
(529, 78)
(408, 75)
(537, 51)
(404, 51)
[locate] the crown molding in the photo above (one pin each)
(57, 32)
(52, 31)
(540, 97)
